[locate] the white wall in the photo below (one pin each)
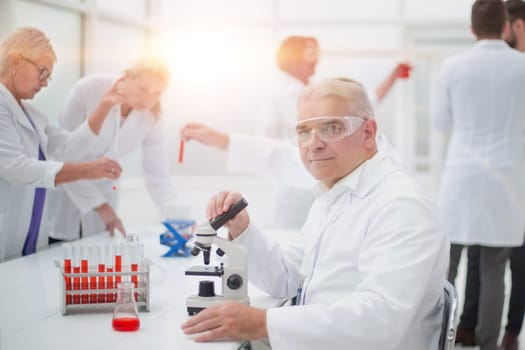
(222, 52)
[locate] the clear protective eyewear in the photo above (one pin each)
(327, 129)
(45, 74)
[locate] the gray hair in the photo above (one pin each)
(344, 89)
(25, 41)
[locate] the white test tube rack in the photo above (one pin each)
(142, 291)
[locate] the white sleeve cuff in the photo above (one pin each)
(53, 167)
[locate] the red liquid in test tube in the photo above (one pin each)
(101, 283)
(76, 271)
(118, 264)
(135, 279)
(109, 279)
(101, 258)
(140, 257)
(181, 151)
(133, 250)
(110, 297)
(404, 71)
(84, 269)
(93, 279)
(67, 270)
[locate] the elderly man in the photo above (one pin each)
(370, 260)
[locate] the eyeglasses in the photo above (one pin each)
(45, 74)
(327, 129)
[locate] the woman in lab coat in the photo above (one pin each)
(132, 123)
(30, 147)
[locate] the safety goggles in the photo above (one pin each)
(327, 129)
(45, 74)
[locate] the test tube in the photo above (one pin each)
(76, 271)
(132, 238)
(109, 268)
(134, 263)
(181, 151)
(92, 270)
(101, 268)
(84, 263)
(68, 254)
(140, 257)
(118, 264)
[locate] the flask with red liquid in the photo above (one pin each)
(125, 316)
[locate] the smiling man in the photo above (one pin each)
(370, 260)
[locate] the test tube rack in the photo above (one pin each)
(88, 299)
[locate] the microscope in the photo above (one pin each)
(234, 275)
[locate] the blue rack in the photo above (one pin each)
(174, 238)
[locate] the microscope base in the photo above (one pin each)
(196, 304)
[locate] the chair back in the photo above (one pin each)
(450, 315)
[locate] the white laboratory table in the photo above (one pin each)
(30, 316)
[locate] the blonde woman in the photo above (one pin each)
(134, 121)
(31, 148)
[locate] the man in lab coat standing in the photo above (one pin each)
(481, 98)
(370, 260)
(297, 58)
(515, 37)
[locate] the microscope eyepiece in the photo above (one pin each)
(225, 217)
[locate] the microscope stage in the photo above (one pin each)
(205, 271)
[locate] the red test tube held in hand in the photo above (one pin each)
(68, 254)
(404, 71)
(181, 151)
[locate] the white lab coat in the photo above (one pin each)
(138, 128)
(481, 98)
(278, 112)
(276, 115)
(373, 258)
(21, 171)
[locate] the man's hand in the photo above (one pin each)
(205, 135)
(110, 218)
(229, 320)
(95, 169)
(220, 203)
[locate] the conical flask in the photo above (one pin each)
(125, 316)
